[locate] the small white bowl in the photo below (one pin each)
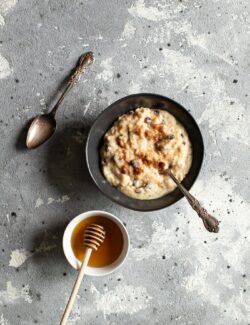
(70, 256)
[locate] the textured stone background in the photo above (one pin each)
(196, 52)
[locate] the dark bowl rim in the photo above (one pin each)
(109, 108)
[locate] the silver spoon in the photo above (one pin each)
(44, 126)
(210, 222)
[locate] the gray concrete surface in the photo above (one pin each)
(196, 52)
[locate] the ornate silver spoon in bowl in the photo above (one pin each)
(44, 126)
(210, 222)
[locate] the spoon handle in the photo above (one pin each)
(85, 60)
(210, 222)
(76, 287)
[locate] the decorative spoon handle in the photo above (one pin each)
(85, 60)
(210, 222)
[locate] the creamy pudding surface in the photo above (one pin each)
(139, 146)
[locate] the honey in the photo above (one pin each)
(109, 250)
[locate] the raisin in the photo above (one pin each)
(147, 120)
(134, 163)
(137, 171)
(104, 161)
(105, 147)
(161, 166)
(120, 142)
(158, 146)
(136, 167)
(125, 169)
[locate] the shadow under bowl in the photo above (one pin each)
(107, 118)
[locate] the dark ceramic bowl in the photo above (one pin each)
(106, 119)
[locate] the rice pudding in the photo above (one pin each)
(139, 146)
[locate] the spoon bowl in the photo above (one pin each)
(40, 130)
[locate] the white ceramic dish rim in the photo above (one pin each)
(75, 263)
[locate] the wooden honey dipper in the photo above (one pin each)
(94, 236)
